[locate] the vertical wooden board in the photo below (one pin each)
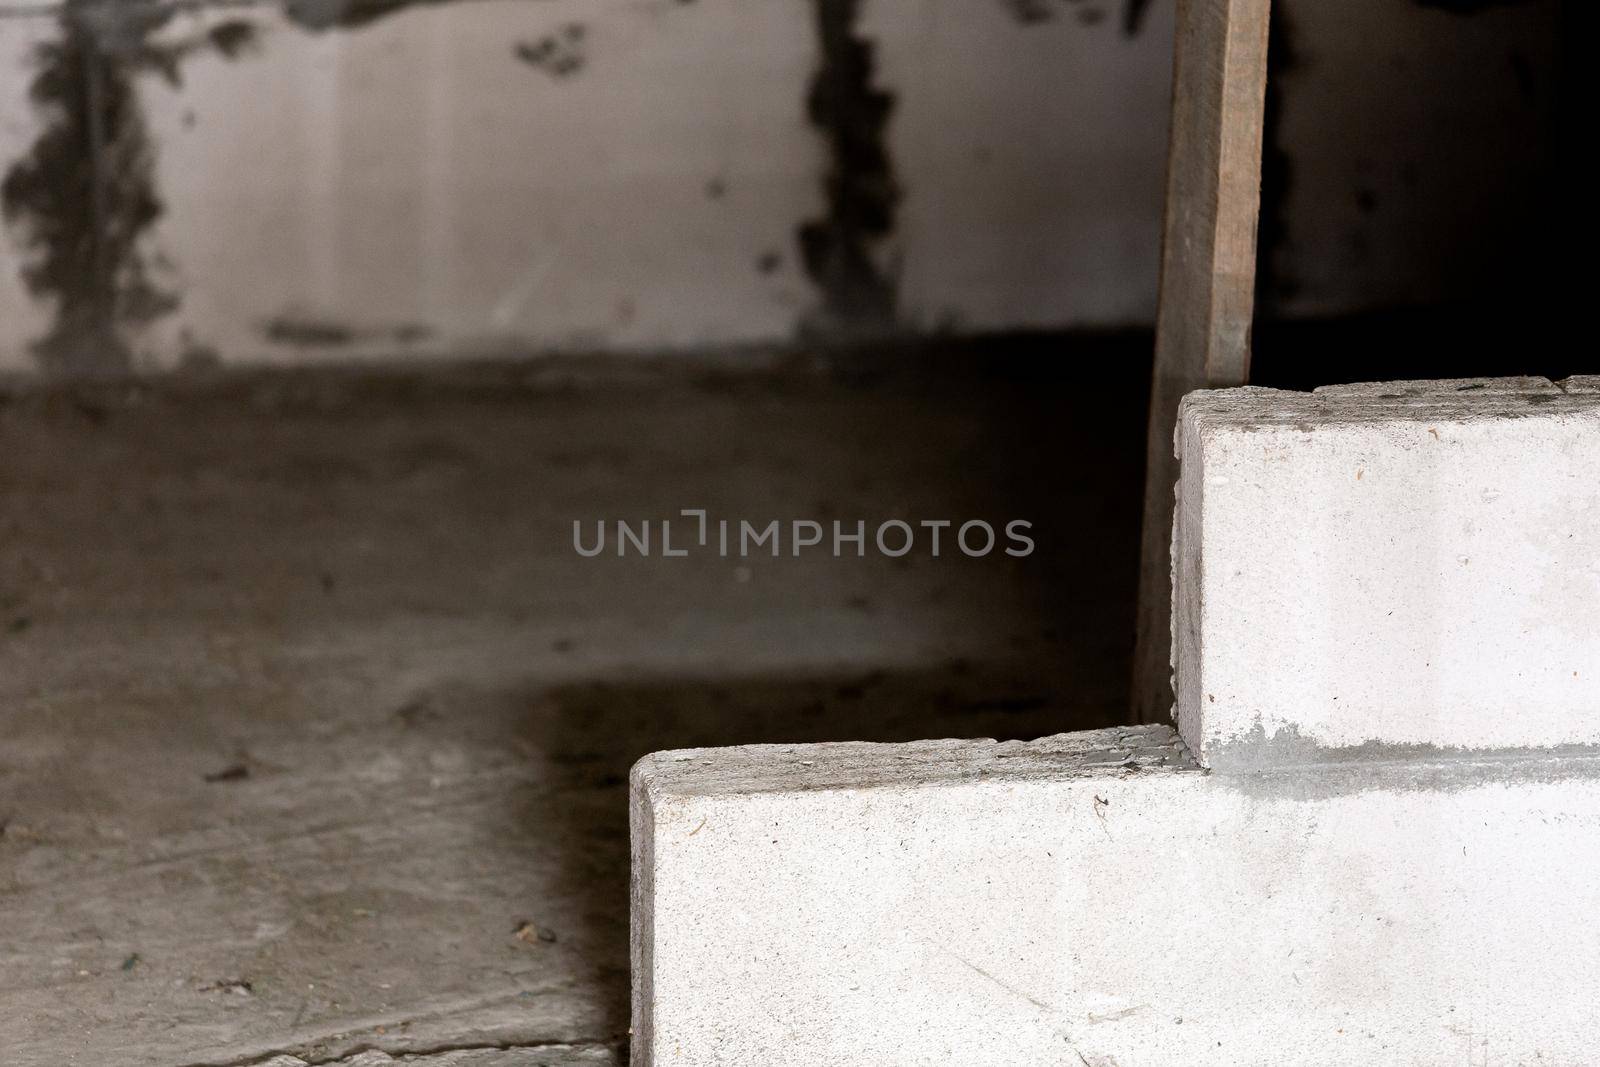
(1207, 277)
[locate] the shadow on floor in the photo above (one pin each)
(580, 740)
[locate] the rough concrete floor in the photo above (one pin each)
(314, 729)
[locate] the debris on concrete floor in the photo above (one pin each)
(312, 812)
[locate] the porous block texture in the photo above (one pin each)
(1095, 900)
(1397, 564)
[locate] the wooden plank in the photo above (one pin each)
(1207, 276)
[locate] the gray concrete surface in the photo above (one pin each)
(314, 730)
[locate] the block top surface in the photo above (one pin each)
(1461, 399)
(865, 765)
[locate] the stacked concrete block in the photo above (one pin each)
(1414, 563)
(1092, 899)
(1372, 838)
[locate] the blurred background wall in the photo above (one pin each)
(279, 182)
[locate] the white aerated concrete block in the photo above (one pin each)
(1387, 644)
(1094, 900)
(1408, 563)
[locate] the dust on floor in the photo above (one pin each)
(314, 729)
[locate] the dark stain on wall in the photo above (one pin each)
(1029, 12)
(83, 200)
(233, 38)
(300, 331)
(852, 115)
(558, 54)
(297, 329)
(84, 196)
(1033, 12)
(1133, 13)
(344, 14)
